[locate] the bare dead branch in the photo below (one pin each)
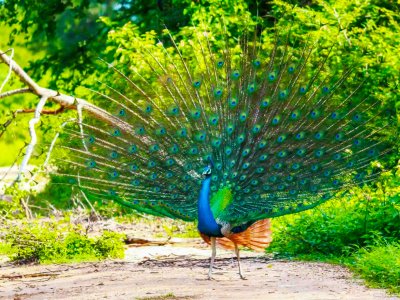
(14, 92)
(52, 144)
(25, 205)
(80, 121)
(29, 110)
(64, 100)
(20, 73)
(98, 216)
(5, 125)
(44, 111)
(9, 71)
(32, 132)
(31, 275)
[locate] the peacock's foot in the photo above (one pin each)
(242, 277)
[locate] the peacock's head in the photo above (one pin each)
(207, 171)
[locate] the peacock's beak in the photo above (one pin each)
(207, 171)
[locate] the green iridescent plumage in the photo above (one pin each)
(283, 132)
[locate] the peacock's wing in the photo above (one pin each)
(220, 201)
(283, 130)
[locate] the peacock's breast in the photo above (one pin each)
(207, 223)
(209, 227)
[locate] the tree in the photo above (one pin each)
(73, 33)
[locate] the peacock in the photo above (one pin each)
(229, 132)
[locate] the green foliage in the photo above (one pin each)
(57, 241)
(360, 230)
(379, 266)
(10, 204)
(63, 200)
(73, 32)
(12, 136)
(362, 33)
(66, 199)
(342, 225)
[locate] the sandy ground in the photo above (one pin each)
(179, 271)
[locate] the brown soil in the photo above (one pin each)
(179, 271)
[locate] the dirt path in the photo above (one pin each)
(179, 272)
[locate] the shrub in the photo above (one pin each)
(10, 203)
(110, 245)
(380, 266)
(341, 226)
(361, 230)
(55, 241)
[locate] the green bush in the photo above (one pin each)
(10, 203)
(55, 241)
(361, 230)
(110, 245)
(380, 266)
(341, 226)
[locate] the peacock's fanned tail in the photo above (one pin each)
(284, 132)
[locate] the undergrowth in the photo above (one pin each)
(379, 266)
(57, 242)
(360, 230)
(181, 229)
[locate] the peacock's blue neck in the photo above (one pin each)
(207, 224)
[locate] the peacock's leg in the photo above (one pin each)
(213, 253)
(238, 258)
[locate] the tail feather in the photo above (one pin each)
(257, 237)
(222, 242)
(284, 132)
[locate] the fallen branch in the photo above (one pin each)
(31, 275)
(25, 205)
(138, 242)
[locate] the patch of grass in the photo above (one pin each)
(58, 242)
(360, 230)
(169, 296)
(379, 266)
